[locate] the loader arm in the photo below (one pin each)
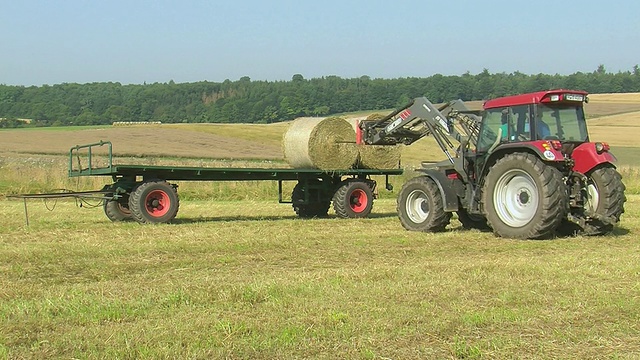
(451, 125)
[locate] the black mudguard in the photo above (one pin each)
(445, 185)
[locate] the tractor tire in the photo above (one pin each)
(524, 198)
(472, 221)
(310, 210)
(118, 210)
(605, 200)
(154, 202)
(420, 206)
(353, 199)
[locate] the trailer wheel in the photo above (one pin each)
(420, 206)
(154, 201)
(317, 207)
(118, 210)
(524, 198)
(353, 199)
(605, 200)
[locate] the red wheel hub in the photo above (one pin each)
(358, 200)
(157, 203)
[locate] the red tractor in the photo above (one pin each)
(524, 167)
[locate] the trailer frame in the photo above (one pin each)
(144, 192)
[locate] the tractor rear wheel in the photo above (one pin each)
(524, 198)
(605, 200)
(154, 201)
(353, 199)
(313, 208)
(118, 210)
(420, 206)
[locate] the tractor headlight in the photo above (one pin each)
(601, 147)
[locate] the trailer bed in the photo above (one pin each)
(185, 173)
(144, 192)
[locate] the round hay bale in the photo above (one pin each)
(377, 156)
(317, 143)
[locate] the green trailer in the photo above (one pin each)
(146, 193)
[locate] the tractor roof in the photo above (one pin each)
(532, 98)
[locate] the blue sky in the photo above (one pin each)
(73, 41)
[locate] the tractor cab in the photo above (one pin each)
(546, 115)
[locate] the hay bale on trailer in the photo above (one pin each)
(320, 143)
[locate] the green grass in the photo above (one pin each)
(249, 280)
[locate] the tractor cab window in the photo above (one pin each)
(560, 122)
(494, 128)
(522, 123)
(508, 124)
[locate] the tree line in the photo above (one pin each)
(247, 101)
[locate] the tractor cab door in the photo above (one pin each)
(501, 126)
(504, 125)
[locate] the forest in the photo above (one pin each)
(248, 101)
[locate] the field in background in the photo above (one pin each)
(34, 160)
(614, 118)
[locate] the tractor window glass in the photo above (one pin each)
(521, 123)
(563, 123)
(492, 129)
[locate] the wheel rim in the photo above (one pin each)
(593, 197)
(358, 200)
(516, 198)
(157, 203)
(417, 206)
(124, 209)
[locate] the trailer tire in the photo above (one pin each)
(118, 210)
(353, 199)
(154, 201)
(420, 206)
(524, 198)
(311, 209)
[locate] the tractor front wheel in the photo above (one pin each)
(154, 201)
(353, 199)
(524, 198)
(420, 206)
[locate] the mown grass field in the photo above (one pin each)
(248, 280)
(239, 276)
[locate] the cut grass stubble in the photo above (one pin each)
(254, 281)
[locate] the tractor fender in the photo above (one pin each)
(586, 157)
(541, 148)
(445, 185)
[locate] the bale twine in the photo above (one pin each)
(325, 144)
(377, 156)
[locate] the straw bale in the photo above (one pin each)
(326, 144)
(377, 156)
